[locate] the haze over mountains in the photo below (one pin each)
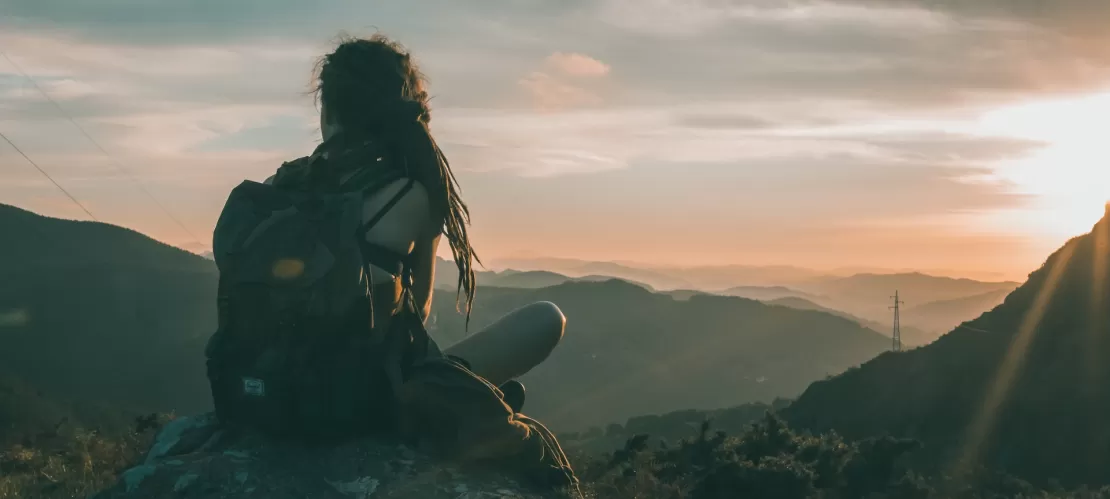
(911, 336)
(944, 315)
(447, 276)
(715, 277)
(934, 304)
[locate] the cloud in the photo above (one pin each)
(577, 64)
(146, 101)
(724, 121)
(674, 18)
(602, 139)
(1080, 17)
(942, 148)
(896, 55)
(563, 82)
(554, 93)
(907, 53)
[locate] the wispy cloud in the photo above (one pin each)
(577, 64)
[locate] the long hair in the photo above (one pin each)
(372, 86)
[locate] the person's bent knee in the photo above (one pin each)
(553, 320)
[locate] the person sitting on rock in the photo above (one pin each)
(326, 280)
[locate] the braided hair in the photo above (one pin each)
(371, 86)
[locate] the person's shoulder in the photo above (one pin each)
(403, 200)
(407, 191)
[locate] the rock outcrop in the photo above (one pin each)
(193, 458)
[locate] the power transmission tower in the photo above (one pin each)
(897, 322)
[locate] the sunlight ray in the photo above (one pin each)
(1100, 291)
(1096, 324)
(982, 423)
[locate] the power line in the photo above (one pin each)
(47, 175)
(115, 162)
(969, 328)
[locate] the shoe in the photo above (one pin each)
(514, 394)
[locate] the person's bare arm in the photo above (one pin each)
(424, 273)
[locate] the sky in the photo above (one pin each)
(942, 135)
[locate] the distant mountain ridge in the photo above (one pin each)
(766, 293)
(447, 275)
(928, 288)
(717, 277)
(911, 336)
(870, 296)
(580, 268)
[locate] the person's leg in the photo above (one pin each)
(514, 344)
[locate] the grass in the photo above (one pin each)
(769, 460)
(70, 462)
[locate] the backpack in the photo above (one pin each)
(295, 353)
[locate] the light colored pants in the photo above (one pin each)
(514, 344)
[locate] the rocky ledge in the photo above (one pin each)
(192, 458)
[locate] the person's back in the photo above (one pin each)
(327, 273)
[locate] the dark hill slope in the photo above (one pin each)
(869, 295)
(1025, 387)
(34, 240)
(96, 311)
(629, 352)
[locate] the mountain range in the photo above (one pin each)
(766, 293)
(870, 295)
(934, 304)
(95, 316)
(447, 276)
(94, 312)
(911, 336)
(629, 352)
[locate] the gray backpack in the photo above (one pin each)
(295, 352)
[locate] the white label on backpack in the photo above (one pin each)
(254, 386)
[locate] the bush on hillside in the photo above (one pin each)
(771, 460)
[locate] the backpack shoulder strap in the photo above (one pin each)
(376, 254)
(369, 224)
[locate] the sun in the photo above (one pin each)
(1068, 178)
